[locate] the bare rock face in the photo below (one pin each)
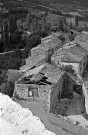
(15, 120)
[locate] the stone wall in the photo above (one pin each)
(40, 93)
(22, 91)
(44, 95)
(55, 94)
(67, 88)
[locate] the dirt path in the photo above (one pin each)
(51, 122)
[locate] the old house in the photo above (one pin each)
(56, 57)
(58, 54)
(77, 57)
(52, 45)
(41, 53)
(51, 42)
(51, 86)
(38, 83)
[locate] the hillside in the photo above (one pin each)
(83, 3)
(80, 3)
(61, 5)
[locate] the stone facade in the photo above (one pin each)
(33, 92)
(55, 94)
(47, 94)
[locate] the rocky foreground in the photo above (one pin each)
(15, 120)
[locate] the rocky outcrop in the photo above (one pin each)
(15, 120)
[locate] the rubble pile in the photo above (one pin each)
(15, 120)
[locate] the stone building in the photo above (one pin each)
(49, 85)
(43, 51)
(38, 83)
(75, 55)
(48, 45)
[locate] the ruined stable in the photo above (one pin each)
(51, 86)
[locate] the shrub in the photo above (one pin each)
(7, 88)
(68, 68)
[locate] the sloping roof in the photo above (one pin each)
(47, 39)
(35, 48)
(59, 53)
(57, 33)
(32, 61)
(51, 44)
(55, 42)
(69, 58)
(52, 73)
(74, 54)
(34, 71)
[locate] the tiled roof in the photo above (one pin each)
(69, 58)
(51, 44)
(59, 52)
(74, 54)
(47, 39)
(57, 33)
(35, 48)
(37, 57)
(34, 71)
(52, 73)
(54, 42)
(31, 61)
(78, 51)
